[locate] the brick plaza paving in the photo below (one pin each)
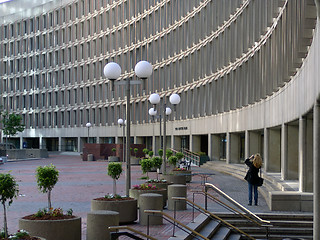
(81, 181)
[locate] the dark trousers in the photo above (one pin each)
(255, 191)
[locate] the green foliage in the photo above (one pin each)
(11, 124)
(169, 153)
(114, 170)
(145, 151)
(146, 165)
(114, 150)
(157, 162)
(135, 150)
(41, 213)
(201, 153)
(47, 177)
(160, 152)
(8, 188)
(173, 160)
(179, 155)
(150, 154)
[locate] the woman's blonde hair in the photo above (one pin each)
(257, 160)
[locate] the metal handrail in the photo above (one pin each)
(201, 209)
(225, 196)
(116, 228)
(175, 221)
(194, 158)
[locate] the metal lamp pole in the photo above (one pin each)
(112, 71)
(88, 125)
(174, 100)
(122, 125)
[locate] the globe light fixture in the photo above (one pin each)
(88, 125)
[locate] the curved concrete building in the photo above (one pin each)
(247, 72)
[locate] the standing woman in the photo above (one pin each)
(254, 163)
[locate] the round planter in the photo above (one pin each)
(135, 193)
(175, 179)
(113, 159)
(187, 173)
(127, 209)
(66, 229)
(162, 185)
(134, 160)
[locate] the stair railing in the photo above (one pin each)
(254, 217)
(212, 216)
(192, 157)
(114, 234)
(175, 222)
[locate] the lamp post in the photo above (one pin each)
(112, 71)
(154, 99)
(122, 124)
(88, 125)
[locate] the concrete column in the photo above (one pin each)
(233, 148)
(40, 142)
(247, 144)
(284, 151)
(191, 143)
(60, 144)
(293, 152)
(266, 149)
(309, 155)
(79, 144)
(176, 142)
(196, 142)
(215, 146)
(209, 145)
(154, 144)
(316, 171)
(228, 148)
(21, 142)
(302, 154)
(274, 150)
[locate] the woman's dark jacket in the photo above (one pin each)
(252, 174)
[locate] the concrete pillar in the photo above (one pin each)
(293, 152)
(247, 145)
(233, 148)
(177, 190)
(191, 143)
(316, 171)
(154, 144)
(209, 146)
(302, 154)
(215, 147)
(176, 142)
(284, 151)
(228, 148)
(150, 201)
(274, 150)
(60, 144)
(21, 142)
(309, 155)
(98, 222)
(266, 149)
(79, 144)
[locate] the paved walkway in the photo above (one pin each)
(80, 181)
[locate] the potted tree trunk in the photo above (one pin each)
(134, 159)
(51, 223)
(126, 206)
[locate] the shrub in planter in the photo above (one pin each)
(150, 154)
(157, 163)
(179, 155)
(145, 151)
(146, 165)
(47, 177)
(137, 190)
(114, 171)
(169, 153)
(8, 191)
(160, 152)
(173, 160)
(135, 150)
(19, 235)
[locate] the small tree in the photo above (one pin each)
(179, 155)
(47, 177)
(114, 171)
(160, 152)
(146, 165)
(169, 153)
(173, 160)
(11, 124)
(145, 151)
(8, 191)
(157, 162)
(150, 154)
(135, 150)
(114, 151)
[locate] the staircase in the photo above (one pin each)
(285, 226)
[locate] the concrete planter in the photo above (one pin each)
(135, 193)
(175, 179)
(66, 229)
(187, 173)
(163, 185)
(134, 160)
(127, 209)
(113, 159)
